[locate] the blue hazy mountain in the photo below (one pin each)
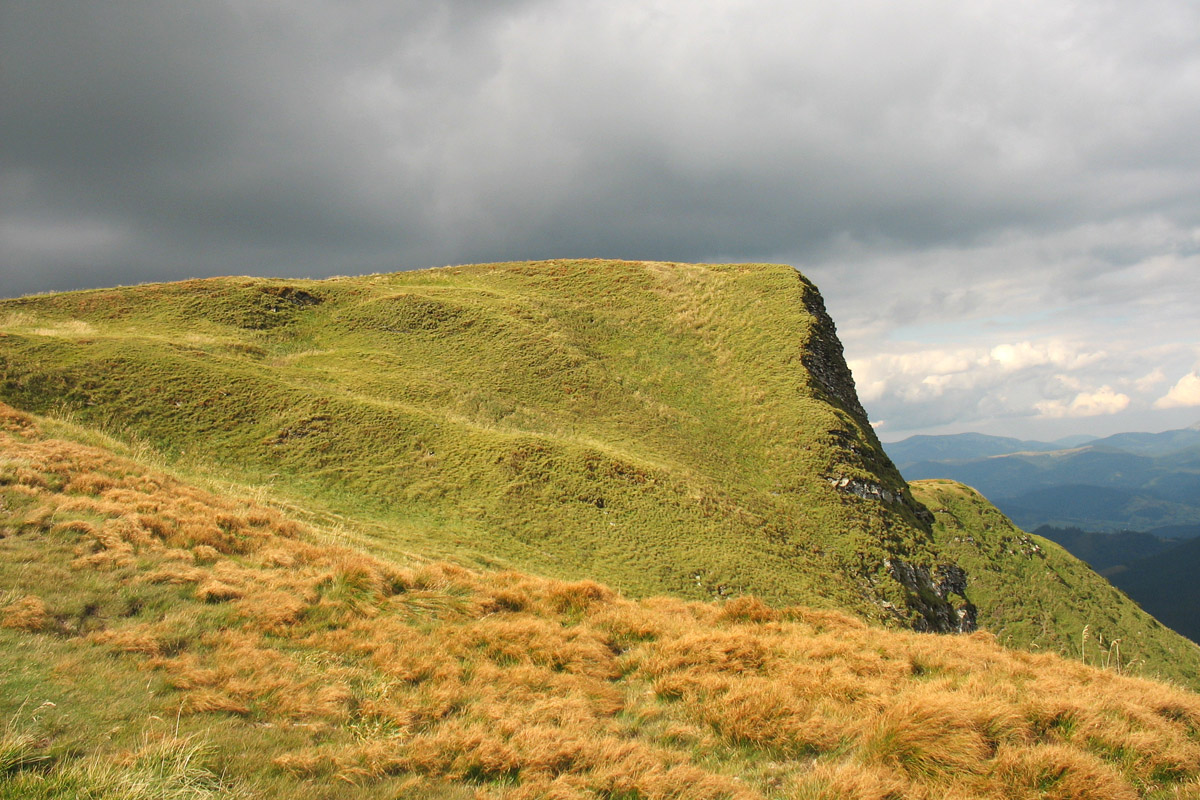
(1128, 481)
(1127, 504)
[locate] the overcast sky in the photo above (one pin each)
(999, 200)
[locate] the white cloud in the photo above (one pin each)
(914, 375)
(1185, 393)
(932, 372)
(1040, 319)
(1069, 382)
(1013, 357)
(1150, 380)
(1014, 387)
(1086, 404)
(1018, 356)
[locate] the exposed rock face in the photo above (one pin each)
(932, 594)
(867, 490)
(876, 491)
(824, 358)
(928, 588)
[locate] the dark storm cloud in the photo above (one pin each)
(946, 159)
(199, 137)
(258, 136)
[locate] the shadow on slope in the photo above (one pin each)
(1166, 585)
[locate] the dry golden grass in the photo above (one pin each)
(523, 687)
(27, 613)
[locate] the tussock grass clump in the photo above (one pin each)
(163, 769)
(19, 751)
(27, 613)
(310, 664)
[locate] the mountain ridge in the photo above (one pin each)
(427, 387)
(687, 429)
(1127, 481)
(967, 446)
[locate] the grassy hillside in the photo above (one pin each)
(161, 641)
(664, 428)
(661, 427)
(1033, 594)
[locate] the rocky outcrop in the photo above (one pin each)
(867, 490)
(931, 595)
(928, 589)
(823, 355)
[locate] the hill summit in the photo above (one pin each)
(663, 427)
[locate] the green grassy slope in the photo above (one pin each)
(664, 428)
(1035, 595)
(656, 426)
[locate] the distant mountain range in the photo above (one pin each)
(1128, 481)
(966, 446)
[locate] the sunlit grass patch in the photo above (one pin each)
(162, 769)
(603, 436)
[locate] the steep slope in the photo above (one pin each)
(161, 641)
(1033, 594)
(662, 427)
